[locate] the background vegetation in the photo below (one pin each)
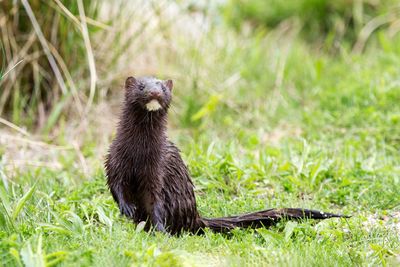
(276, 104)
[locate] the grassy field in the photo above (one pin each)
(263, 120)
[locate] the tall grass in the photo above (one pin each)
(41, 44)
(57, 64)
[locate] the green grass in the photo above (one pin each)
(262, 121)
(323, 20)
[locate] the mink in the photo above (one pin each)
(148, 178)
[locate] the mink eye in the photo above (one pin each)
(141, 87)
(163, 88)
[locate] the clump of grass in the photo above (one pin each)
(40, 44)
(65, 57)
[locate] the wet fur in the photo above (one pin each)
(148, 178)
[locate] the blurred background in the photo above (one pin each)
(256, 71)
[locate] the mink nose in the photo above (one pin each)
(155, 94)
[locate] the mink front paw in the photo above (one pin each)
(127, 210)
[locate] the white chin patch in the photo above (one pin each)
(153, 105)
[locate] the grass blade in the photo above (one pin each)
(89, 50)
(8, 71)
(45, 46)
(55, 114)
(13, 126)
(30, 258)
(22, 202)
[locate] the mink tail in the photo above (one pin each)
(265, 218)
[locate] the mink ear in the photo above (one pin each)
(130, 82)
(169, 84)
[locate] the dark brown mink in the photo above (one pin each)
(148, 178)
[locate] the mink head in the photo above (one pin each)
(149, 93)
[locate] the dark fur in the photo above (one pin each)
(148, 178)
